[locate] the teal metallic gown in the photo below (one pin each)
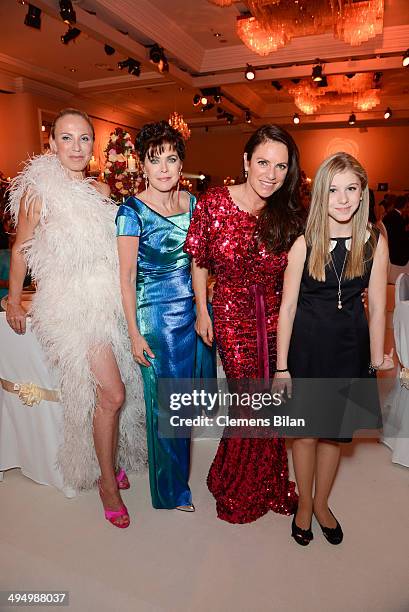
(165, 317)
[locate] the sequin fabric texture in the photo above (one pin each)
(249, 476)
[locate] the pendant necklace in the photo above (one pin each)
(339, 278)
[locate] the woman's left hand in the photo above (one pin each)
(387, 363)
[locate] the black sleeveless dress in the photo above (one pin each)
(329, 353)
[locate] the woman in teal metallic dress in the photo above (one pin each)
(151, 233)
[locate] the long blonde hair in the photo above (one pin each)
(317, 229)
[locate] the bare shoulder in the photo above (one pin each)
(103, 188)
(382, 246)
(297, 253)
(299, 246)
(30, 205)
(185, 200)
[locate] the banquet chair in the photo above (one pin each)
(30, 413)
(396, 407)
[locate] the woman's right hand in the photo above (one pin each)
(16, 317)
(139, 347)
(282, 384)
(204, 327)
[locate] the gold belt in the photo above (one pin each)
(30, 393)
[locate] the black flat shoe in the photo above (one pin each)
(334, 535)
(302, 536)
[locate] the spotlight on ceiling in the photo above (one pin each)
(67, 12)
(196, 100)
(203, 100)
(133, 66)
(277, 85)
(109, 50)
(71, 34)
(202, 176)
(352, 119)
(250, 73)
(405, 58)
(387, 114)
(377, 77)
(316, 74)
(217, 98)
(207, 107)
(33, 17)
(296, 118)
(157, 56)
(247, 117)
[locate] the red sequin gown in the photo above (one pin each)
(248, 476)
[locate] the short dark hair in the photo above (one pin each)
(153, 137)
(400, 202)
(282, 219)
(72, 111)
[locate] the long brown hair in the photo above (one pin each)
(317, 235)
(281, 220)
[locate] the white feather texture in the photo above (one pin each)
(77, 309)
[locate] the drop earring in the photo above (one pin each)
(246, 174)
(178, 187)
(145, 178)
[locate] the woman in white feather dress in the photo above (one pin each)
(66, 236)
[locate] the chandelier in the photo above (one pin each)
(259, 40)
(360, 21)
(273, 23)
(356, 92)
(178, 123)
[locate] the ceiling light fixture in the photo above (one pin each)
(387, 114)
(33, 17)
(67, 12)
(71, 34)
(133, 66)
(157, 56)
(109, 50)
(247, 117)
(207, 107)
(352, 119)
(405, 58)
(316, 74)
(296, 118)
(203, 100)
(250, 73)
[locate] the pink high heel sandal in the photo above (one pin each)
(113, 515)
(122, 480)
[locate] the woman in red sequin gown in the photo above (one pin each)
(242, 235)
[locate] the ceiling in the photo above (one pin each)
(35, 60)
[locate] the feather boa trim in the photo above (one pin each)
(77, 310)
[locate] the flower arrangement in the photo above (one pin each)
(122, 166)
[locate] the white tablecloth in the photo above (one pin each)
(29, 435)
(396, 407)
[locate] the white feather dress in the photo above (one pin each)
(77, 309)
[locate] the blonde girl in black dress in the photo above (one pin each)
(323, 331)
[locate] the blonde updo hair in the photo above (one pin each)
(71, 111)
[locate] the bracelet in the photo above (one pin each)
(282, 371)
(373, 368)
